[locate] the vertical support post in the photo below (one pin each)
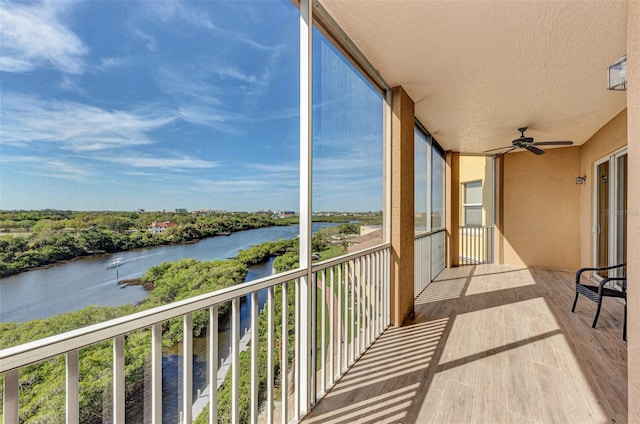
(306, 161)
(213, 364)
(118, 379)
(187, 367)
(73, 378)
(402, 206)
(156, 373)
(452, 211)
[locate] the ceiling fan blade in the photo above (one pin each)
(552, 143)
(534, 149)
(504, 153)
(499, 148)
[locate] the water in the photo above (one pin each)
(88, 281)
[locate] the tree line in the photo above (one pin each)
(56, 236)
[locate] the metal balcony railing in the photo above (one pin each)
(340, 319)
(476, 245)
(429, 252)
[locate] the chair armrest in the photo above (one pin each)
(581, 270)
(607, 280)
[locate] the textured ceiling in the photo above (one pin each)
(478, 70)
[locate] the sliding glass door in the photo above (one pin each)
(610, 211)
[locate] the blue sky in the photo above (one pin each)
(166, 104)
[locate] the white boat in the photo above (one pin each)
(114, 263)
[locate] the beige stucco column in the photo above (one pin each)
(452, 196)
(402, 206)
(633, 208)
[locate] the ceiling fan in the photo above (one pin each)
(527, 143)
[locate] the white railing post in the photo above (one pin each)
(72, 388)
(118, 379)
(187, 367)
(270, 360)
(235, 361)
(284, 361)
(254, 357)
(156, 373)
(10, 397)
(213, 364)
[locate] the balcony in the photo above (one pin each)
(487, 343)
(337, 323)
(490, 343)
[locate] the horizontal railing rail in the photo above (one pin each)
(348, 308)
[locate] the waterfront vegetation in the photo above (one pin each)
(33, 239)
(41, 385)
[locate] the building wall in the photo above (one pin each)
(540, 222)
(633, 218)
(474, 168)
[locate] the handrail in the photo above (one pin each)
(32, 352)
(429, 233)
(349, 256)
(26, 354)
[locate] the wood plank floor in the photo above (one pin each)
(490, 344)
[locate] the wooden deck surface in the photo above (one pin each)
(490, 344)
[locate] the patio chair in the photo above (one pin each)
(597, 292)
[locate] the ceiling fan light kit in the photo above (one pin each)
(528, 143)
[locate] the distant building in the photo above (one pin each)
(363, 241)
(160, 227)
(180, 210)
(284, 214)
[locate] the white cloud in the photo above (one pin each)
(179, 163)
(237, 74)
(75, 126)
(47, 167)
(167, 10)
(33, 37)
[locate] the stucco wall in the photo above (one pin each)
(608, 139)
(474, 168)
(541, 214)
(633, 192)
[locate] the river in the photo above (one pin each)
(87, 281)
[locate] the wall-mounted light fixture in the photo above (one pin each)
(581, 180)
(617, 74)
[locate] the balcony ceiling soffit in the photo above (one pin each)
(478, 70)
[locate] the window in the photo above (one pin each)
(422, 182)
(437, 187)
(347, 147)
(429, 181)
(472, 203)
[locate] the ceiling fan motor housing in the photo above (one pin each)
(522, 140)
